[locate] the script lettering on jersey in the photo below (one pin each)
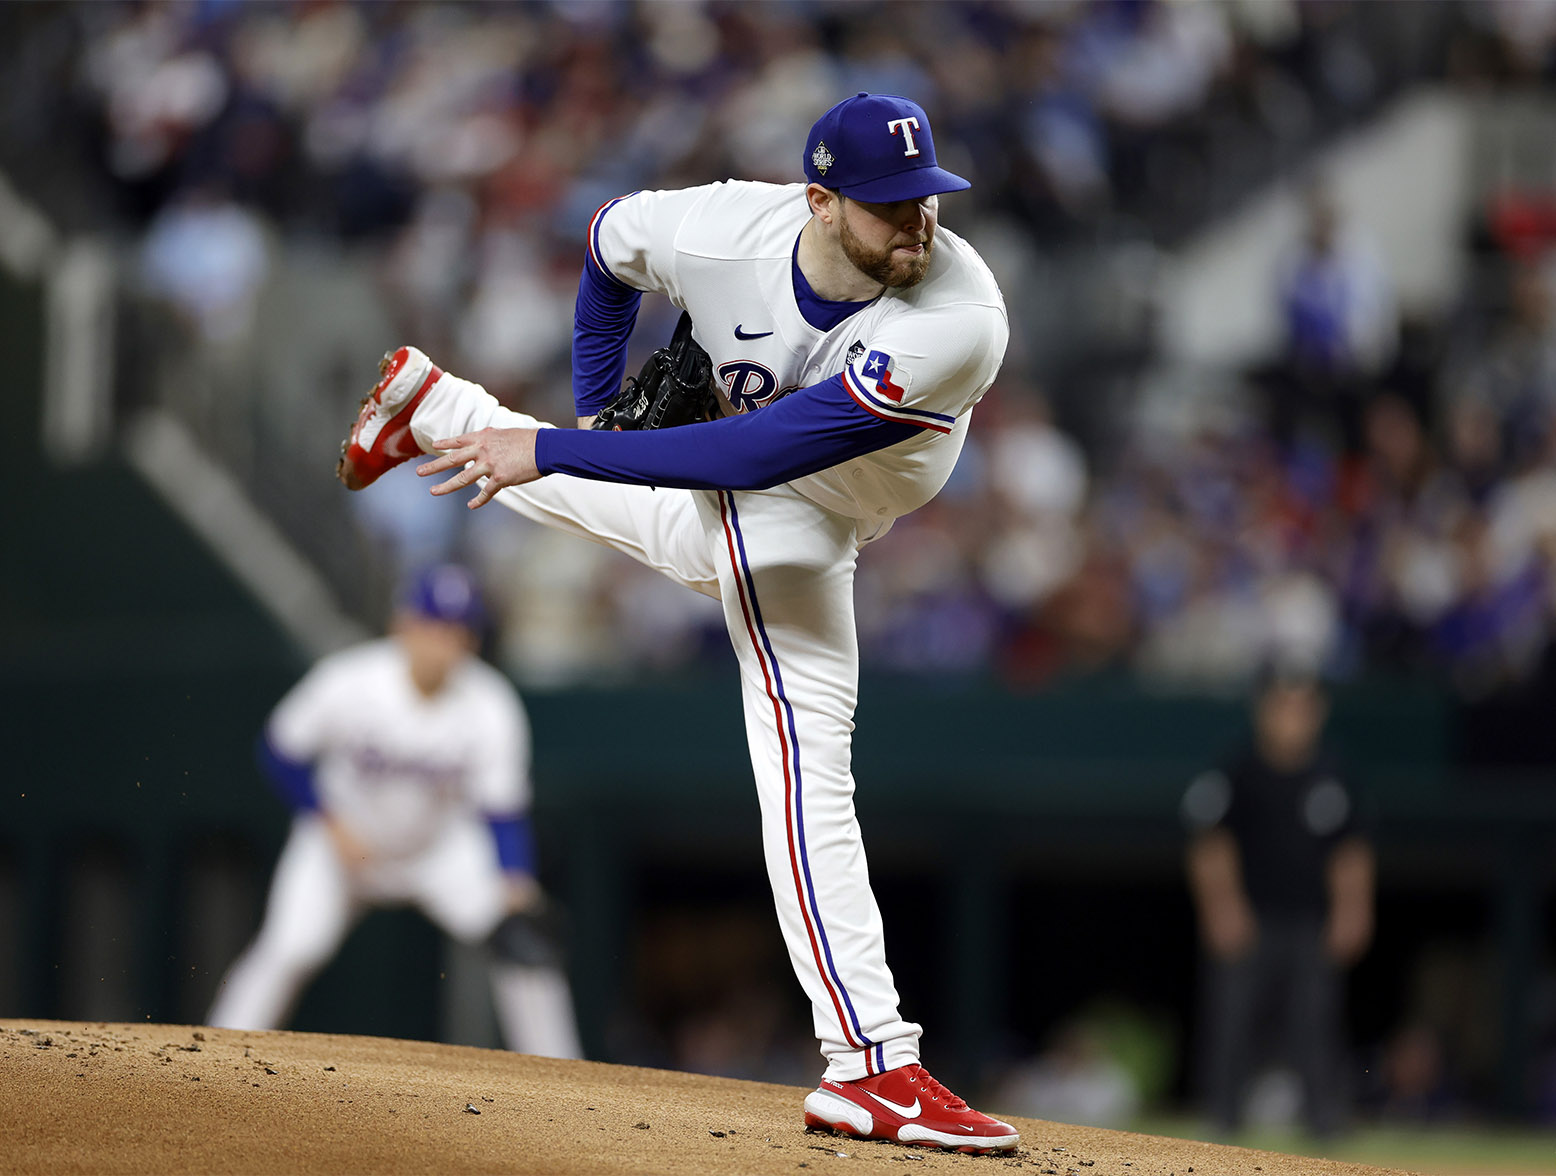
(749, 384)
(373, 765)
(907, 126)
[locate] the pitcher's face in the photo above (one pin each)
(890, 243)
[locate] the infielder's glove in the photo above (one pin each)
(674, 388)
(529, 938)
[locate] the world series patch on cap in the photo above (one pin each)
(878, 148)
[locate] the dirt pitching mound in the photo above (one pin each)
(90, 1098)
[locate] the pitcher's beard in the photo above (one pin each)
(880, 266)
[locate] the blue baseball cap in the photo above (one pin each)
(877, 147)
(446, 592)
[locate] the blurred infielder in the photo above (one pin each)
(406, 761)
(848, 341)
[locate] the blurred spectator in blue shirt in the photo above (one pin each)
(1341, 325)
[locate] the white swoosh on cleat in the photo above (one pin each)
(907, 1112)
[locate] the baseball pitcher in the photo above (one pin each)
(847, 338)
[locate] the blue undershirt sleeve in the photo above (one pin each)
(811, 429)
(603, 318)
(515, 841)
(292, 779)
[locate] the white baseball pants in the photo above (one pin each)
(783, 568)
(314, 900)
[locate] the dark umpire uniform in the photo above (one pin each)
(1282, 881)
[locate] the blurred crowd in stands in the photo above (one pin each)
(1380, 494)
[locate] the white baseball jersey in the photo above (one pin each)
(923, 356)
(394, 765)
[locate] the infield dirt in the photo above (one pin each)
(94, 1098)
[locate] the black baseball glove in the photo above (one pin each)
(531, 938)
(674, 388)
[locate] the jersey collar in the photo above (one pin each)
(821, 313)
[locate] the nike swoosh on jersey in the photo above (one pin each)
(739, 334)
(907, 1112)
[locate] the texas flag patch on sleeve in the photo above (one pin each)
(878, 383)
(877, 366)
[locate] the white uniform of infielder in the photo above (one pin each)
(406, 792)
(887, 380)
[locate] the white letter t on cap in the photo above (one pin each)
(908, 125)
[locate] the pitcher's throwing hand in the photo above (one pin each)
(504, 457)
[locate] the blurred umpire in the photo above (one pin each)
(1282, 881)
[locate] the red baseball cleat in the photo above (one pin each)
(381, 439)
(906, 1105)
